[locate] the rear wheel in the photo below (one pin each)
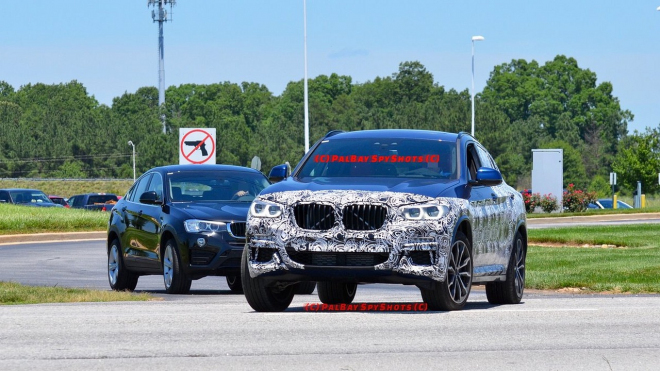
(264, 298)
(119, 278)
(175, 279)
(305, 288)
(452, 294)
(234, 283)
(336, 292)
(511, 290)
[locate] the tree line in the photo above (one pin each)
(61, 131)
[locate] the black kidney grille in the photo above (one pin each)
(237, 229)
(364, 217)
(314, 216)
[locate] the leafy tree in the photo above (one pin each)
(639, 160)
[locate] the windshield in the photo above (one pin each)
(391, 158)
(186, 186)
(27, 196)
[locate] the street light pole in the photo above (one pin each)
(474, 38)
(130, 143)
(305, 81)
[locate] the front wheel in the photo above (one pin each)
(176, 280)
(336, 292)
(264, 298)
(234, 283)
(511, 290)
(119, 278)
(452, 294)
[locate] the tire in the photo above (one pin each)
(263, 298)
(305, 288)
(234, 283)
(175, 279)
(336, 292)
(119, 278)
(452, 294)
(511, 290)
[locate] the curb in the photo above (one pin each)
(52, 237)
(593, 218)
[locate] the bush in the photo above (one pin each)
(531, 201)
(576, 200)
(548, 203)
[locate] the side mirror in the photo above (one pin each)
(488, 177)
(278, 173)
(150, 198)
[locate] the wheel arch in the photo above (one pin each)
(112, 235)
(463, 225)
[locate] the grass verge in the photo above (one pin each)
(26, 219)
(14, 293)
(633, 269)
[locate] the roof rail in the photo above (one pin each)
(461, 133)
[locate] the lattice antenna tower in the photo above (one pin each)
(159, 14)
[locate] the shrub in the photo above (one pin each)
(576, 200)
(531, 201)
(548, 203)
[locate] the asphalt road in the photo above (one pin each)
(213, 329)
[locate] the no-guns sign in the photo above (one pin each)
(196, 146)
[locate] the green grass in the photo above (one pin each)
(654, 209)
(68, 188)
(632, 269)
(14, 293)
(26, 219)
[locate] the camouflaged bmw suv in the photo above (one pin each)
(411, 207)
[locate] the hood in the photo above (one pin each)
(426, 187)
(212, 211)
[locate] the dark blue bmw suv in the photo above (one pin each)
(412, 207)
(183, 222)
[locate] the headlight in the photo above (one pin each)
(425, 212)
(200, 226)
(265, 209)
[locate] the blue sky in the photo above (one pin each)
(111, 46)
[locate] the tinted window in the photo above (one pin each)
(4, 196)
(215, 185)
(140, 188)
(473, 162)
(101, 199)
(156, 185)
(392, 158)
(485, 158)
(27, 196)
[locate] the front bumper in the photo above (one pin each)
(219, 255)
(401, 251)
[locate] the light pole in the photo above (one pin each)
(305, 81)
(474, 38)
(130, 143)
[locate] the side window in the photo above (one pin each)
(473, 162)
(140, 187)
(485, 158)
(156, 185)
(4, 196)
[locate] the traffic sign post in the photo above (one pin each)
(197, 146)
(613, 183)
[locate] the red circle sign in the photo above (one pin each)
(206, 137)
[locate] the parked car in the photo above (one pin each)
(412, 207)
(606, 203)
(26, 197)
(93, 201)
(59, 200)
(183, 222)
